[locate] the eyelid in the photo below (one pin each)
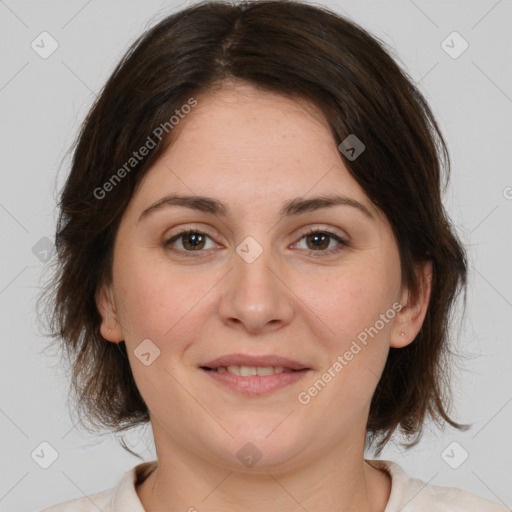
(201, 229)
(323, 229)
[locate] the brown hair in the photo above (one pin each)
(301, 51)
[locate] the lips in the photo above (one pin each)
(254, 375)
(254, 361)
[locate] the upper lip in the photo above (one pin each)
(248, 360)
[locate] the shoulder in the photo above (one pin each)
(121, 498)
(414, 495)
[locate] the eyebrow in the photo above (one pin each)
(293, 207)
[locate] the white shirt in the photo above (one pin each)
(407, 495)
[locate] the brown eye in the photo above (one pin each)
(320, 241)
(191, 241)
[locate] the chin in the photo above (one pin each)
(254, 450)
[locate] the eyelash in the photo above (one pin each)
(320, 253)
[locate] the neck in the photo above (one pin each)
(339, 480)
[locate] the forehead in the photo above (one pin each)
(245, 145)
(264, 126)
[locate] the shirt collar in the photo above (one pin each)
(399, 482)
(126, 499)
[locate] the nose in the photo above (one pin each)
(256, 297)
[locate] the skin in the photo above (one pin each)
(254, 151)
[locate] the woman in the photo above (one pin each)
(253, 255)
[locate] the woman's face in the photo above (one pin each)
(251, 281)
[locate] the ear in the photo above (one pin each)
(110, 327)
(410, 318)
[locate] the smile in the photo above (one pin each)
(247, 371)
(254, 381)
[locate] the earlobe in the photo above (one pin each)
(414, 308)
(110, 328)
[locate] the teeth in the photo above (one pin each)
(247, 371)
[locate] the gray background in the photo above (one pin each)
(44, 100)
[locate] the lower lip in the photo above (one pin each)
(255, 385)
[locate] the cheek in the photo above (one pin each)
(149, 302)
(157, 304)
(355, 304)
(158, 301)
(356, 340)
(356, 299)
